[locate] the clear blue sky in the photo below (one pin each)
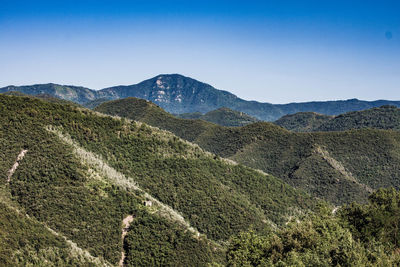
(271, 51)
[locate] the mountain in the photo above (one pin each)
(76, 94)
(339, 167)
(179, 94)
(83, 188)
(44, 97)
(222, 116)
(384, 117)
(302, 121)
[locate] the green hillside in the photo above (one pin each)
(384, 117)
(147, 112)
(45, 97)
(303, 121)
(354, 235)
(222, 116)
(337, 166)
(81, 173)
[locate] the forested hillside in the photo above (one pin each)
(337, 166)
(303, 121)
(222, 116)
(354, 235)
(79, 173)
(384, 117)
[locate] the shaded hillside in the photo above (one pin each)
(337, 166)
(302, 121)
(222, 116)
(94, 103)
(83, 172)
(179, 94)
(145, 111)
(384, 117)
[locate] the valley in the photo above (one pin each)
(199, 133)
(84, 172)
(369, 156)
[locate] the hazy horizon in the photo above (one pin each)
(276, 52)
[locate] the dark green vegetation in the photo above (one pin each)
(154, 241)
(59, 187)
(222, 116)
(337, 166)
(147, 112)
(384, 117)
(179, 94)
(25, 241)
(45, 97)
(302, 121)
(358, 235)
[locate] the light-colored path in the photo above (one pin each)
(97, 163)
(340, 168)
(16, 164)
(125, 228)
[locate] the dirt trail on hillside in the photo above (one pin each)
(16, 164)
(97, 163)
(340, 168)
(76, 251)
(125, 228)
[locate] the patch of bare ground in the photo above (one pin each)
(16, 164)
(125, 228)
(340, 168)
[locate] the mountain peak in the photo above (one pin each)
(180, 94)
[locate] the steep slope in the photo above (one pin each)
(84, 172)
(371, 156)
(337, 166)
(222, 116)
(145, 111)
(175, 93)
(26, 242)
(302, 121)
(179, 94)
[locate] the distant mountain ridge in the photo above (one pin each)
(384, 117)
(179, 94)
(76, 94)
